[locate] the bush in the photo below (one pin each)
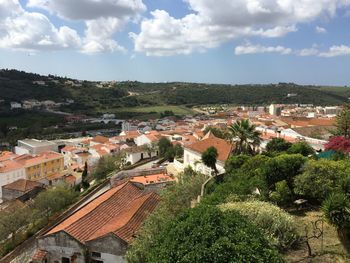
(235, 162)
(205, 234)
(278, 145)
(283, 195)
(302, 148)
(336, 209)
(278, 226)
(319, 179)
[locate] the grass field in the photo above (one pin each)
(178, 110)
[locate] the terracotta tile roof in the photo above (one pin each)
(100, 139)
(223, 147)
(39, 255)
(7, 156)
(70, 179)
(68, 148)
(152, 179)
(120, 211)
(30, 160)
(22, 185)
(9, 165)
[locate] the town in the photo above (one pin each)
(134, 165)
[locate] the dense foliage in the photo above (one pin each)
(338, 144)
(279, 227)
(278, 145)
(206, 234)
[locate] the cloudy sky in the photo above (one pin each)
(215, 41)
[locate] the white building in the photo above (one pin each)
(10, 171)
(275, 110)
(193, 154)
(33, 146)
(15, 105)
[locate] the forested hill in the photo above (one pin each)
(89, 96)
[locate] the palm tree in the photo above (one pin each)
(244, 137)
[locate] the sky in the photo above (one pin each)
(211, 41)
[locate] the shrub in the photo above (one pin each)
(283, 195)
(336, 209)
(319, 179)
(278, 226)
(235, 162)
(302, 148)
(278, 145)
(205, 234)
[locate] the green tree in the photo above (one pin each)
(12, 219)
(209, 158)
(85, 184)
(179, 150)
(108, 164)
(151, 148)
(343, 122)
(283, 167)
(54, 199)
(278, 145)
(302, 148)
(163, 145)
(244, 136)
(235, 162)
(215, 237)
(319, 179)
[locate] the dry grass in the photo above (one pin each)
(326, 250)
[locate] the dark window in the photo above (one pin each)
(65, 260)
(96, 261)
(95, 254)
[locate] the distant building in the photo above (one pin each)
(33, 146)
(15, 105)
(10, 171)
(275, 110)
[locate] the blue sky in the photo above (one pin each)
(213, 41)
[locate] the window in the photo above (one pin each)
(96, 261)
(95, 254)
(65, 260)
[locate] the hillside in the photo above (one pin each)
(95, 97)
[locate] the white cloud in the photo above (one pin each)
(258, 49)
(90, 9)
(320, 30)
(32, 31)
(21, 29)
(306, 52)
(213, 22)
(336, 51)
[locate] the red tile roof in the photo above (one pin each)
(223, 147)
(39, 255)
(152, 179)
(23, 185)
(120, 211)
(9, 165)
(100, 139)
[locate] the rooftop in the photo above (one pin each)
(119, 211)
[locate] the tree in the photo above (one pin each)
(209, 158)
(85, 184)
(12, 219)
(179, 150)
(151, 148)
(278, 145)
(163, 145)
(235, 162)
(54, 199)
(215, 236)
(343, 122)
(302, 148)
(283, 167)
(336, 209)
(319, 179)
(108, 164)
(245, 137)
(338, 144)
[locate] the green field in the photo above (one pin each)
(178, 110)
